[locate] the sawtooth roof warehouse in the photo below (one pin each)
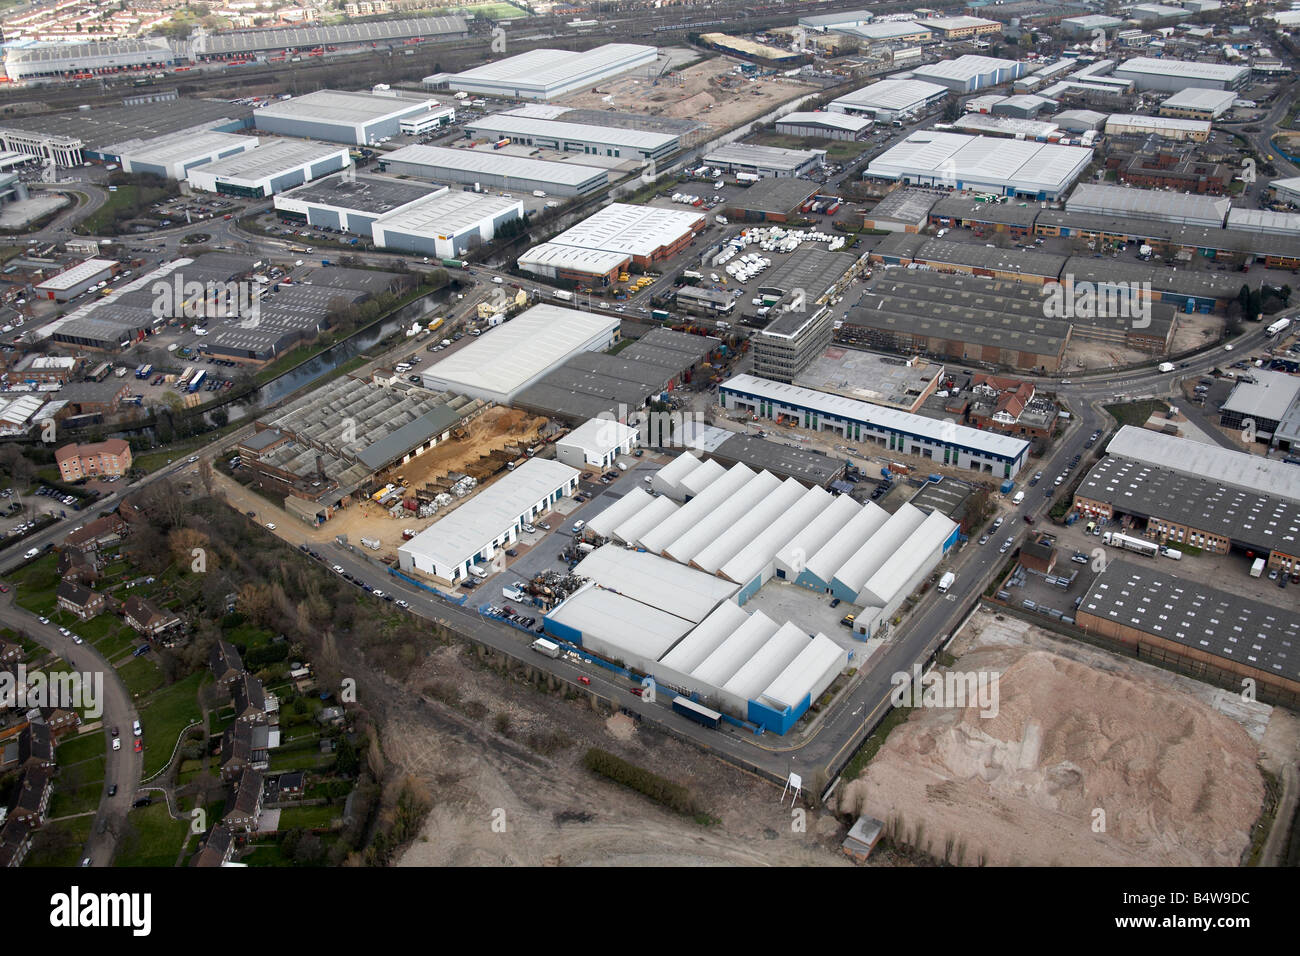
(956, 445)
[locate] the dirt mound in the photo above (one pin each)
(1175, 780)
(692, 107)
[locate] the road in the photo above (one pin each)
(122, 767)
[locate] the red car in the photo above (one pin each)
(4, 589)
(581, 680)
(638, 691)
(139, 745)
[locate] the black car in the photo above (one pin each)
(835, 602)
(511, 552)
(112, 790)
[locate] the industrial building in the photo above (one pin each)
(425, 123)
(771, 200)
(798, 290)
(970, 73)
(645, 234)
(597, 385)
(350, 201)
(904, 209)
(1287, 190)
(1168, 75)
(1165, 127)
(1090, 22)
(1037, 268)
(324, 450)
(1203, 496)
(1162, 206)
(1007, 167)
(173, 158)
(366, 34)
(546, 74)
(596, 443)
(824, 125)
(831, 21)
(273, 167)
(1198, 104)
(335, 116)
(572, 265)
(492, 170)
(728, 448)
(583, 138)
(889, 99)
(69, 138)
(476, 531)
(765, 161)
(962, 27)
(507, 359)
(1263, 401)
(955, 445)
(1192, 628)
(72, 282)
(446, 225)
(104, 56)
(888, 31)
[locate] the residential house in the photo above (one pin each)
(225, 662)
(218, 848)
(32, 799)
(97, 534)
(79, 566)
(10, 654)
(245, 803)
(146, 617)
(289, 785)
(61, 722)
(36, 747)
(79, 600)
(1009, 405)
(245, 746)
(249, 698)
(15, 842)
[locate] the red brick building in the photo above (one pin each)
(111, 457)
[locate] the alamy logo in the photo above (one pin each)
(1098, 300)
(951, 689)
(70, 690)
(76, 909)
(653, 429)
(179, 299)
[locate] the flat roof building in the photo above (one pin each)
(888, 31)
(351, 202)
(969, 73)
(507, 359)
(765, 161)
(1164, 126)
(888, 99)
(1149, 73)
(582, 138)
(446, 225)
(488, 522)
(1010, 167)
(596, 443)
(273, 167)
(546, 74)
(352, 33)
(73, 281)
(173, 158)
(824, 125)
(954, 445)
(101, 56)
(1163, 206)
(647, 234)
(905, 209)
(356, 118)
(886, 380)
(1198, 103)
(492, 170)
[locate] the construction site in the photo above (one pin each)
(1086, 759)
(712, 91)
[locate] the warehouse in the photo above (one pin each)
(1287, 190)
(100, 332)
(890, 99)
(446, 225)
(507, 359)
(832, 21)
(358, 119)
(173, 158)
(1264, 222)
(1203, 496)
(582, 138)
(350, 202)
(970, 73)
(958, 210)
(1157, 13)
(1165, 127)
(491, 170)
(1263, 401)
(363, 34)
(993, 263)
(574, 266)
(771, 200)
(1090, 22)
(962, 27)
(765, 161)
(884, 380)
(812, 469)
(104, 56)
(1192, 628)
(904, 209)
(277, 165)
(1027, 129)
(1170, 76)
(1080, 121)
(425, 123)
(1198, 104)
(595, 385)
(1184, 289)
(824, 125)
(959, 446)
(596, 443)
(1009, 167)
(1162, 206)
(70, 283)
(647, 234)
(547, 74)
(479, 529)
(888, 32)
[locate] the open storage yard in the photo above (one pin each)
(1173, 763)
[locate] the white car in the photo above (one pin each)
(1228, 347)
(43, 620)
(497, 280)
(192, 459)
(378, 593)
(117, 743)
(65, 632)
(400, 603)
(270, 526)
(337, 570)
(76, 638)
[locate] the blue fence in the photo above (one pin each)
(505, 620)
(456, 599)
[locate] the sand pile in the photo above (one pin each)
(1176, 780)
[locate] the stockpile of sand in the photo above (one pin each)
(692, 107)
(1177, 781)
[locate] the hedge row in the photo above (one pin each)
(664, 792)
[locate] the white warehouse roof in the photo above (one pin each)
(77, 274)
(654, 514)
(742, 644)
(448, 213)
(685, 517)
(668, 477)
(508, 358)
(982, 160)
(546, 73)
(893, 574)
(737, 534)
(1149, 204)
(700, 478)
(881, 547)
(759, 551)
(271, 158)
(807, 675)
(495, 164)
(345, 107)
(779, 651)
(620, 511)
(1264, 475)
(890, 95)
(507, 125)
(552, 255)
(852, 124)
(844, 543)
(615, 625)
(655, 581)
(723, 516)
(1184, 69)
(596, 436)
(464, 532)
(630, 230)
(706, 638)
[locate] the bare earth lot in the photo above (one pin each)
(555, 812)
(1171, 762)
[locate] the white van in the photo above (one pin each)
(578, 526)
(1020, 496)
(477, 571)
